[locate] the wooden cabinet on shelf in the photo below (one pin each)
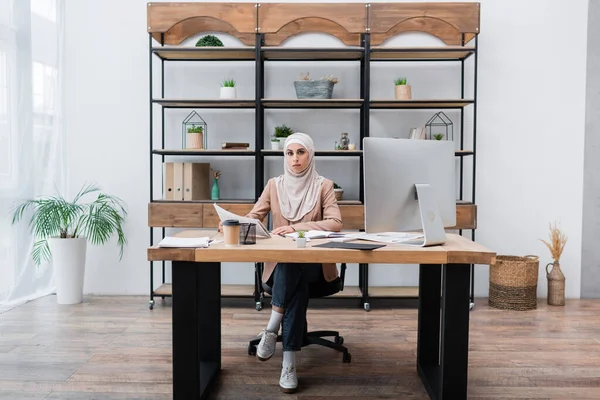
(363, 28)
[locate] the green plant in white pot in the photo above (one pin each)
(62, 230)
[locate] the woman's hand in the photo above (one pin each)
(220, 226)
(282, 230)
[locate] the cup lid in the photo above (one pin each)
(231, 222)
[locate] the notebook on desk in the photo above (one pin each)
(353, 246)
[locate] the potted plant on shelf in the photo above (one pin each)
(301, 239)
(306, 88)
(209, 41)
(403, 90)
(62, 230)
(339, 192)
(438, 136)
(195, 138)
(282, 132)
(228, 89)
(274, 143)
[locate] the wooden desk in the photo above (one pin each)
(444, 280)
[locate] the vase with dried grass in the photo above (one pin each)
(556, 278)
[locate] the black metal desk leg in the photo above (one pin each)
(443, 344)
(428, 335)
(454, 360)
(196, 328)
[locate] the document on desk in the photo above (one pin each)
(170, 241)
(313, 234)
(389, 237)
(261, 230)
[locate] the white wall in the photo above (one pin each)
(531, 109)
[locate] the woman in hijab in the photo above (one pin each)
(300, 199)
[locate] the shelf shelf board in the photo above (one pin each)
(334, 153)
(446, 53)
(393, 291)
(166, 289)
(206, 103)
(347, 153)
(312, 103)
(207, 201)
(312, 54)
(350, 202)
(423, 104)
(197, 152)
(205, 53)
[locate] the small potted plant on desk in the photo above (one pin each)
(301, 239)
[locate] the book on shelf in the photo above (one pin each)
(261, 230)
(234, 145)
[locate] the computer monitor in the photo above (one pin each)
(395, 170)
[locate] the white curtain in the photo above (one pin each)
(32, 153)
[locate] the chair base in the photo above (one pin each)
(316, 338)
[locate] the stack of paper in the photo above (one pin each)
(317, 235)
(170, 241)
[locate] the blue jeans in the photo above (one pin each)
(290, 286)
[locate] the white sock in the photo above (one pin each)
(275, 321)
(289, 358)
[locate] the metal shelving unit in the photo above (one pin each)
(363, 31)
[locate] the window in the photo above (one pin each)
(3, 88)
(44, 89)
(44, 8)
(5, 144)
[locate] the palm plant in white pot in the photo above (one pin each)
(62, 230)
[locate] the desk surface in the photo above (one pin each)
(457, 250)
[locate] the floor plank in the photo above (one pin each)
(115, 348)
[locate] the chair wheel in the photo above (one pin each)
(367, 306)
(251, 350)
(151, 305)
(346, 357)
(258, 306)
(339, 340)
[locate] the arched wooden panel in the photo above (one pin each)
(280, 21)
(306, 25)
(181, 20)
(440, 29)
(192, 26)
(447, 21)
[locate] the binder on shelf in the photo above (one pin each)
(168, 175)
(178, 181)
(186, 181)
(196, 181)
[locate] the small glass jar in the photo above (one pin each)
(344, 141)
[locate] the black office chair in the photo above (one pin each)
(317, 337)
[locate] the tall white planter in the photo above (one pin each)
(68, 259)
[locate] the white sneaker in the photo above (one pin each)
(288, 381)
(266, 347)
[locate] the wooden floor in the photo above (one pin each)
(116, 348)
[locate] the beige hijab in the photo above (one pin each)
(298, 193)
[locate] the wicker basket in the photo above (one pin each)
(321, 89)
(513, 283)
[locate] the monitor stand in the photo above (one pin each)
(431, 220)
